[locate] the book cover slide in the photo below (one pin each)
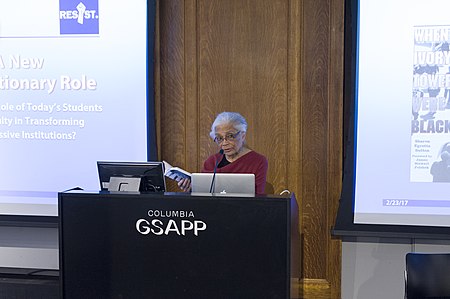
(430, 120)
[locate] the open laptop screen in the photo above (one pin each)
(226, 184)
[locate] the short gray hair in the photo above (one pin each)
(233, 118)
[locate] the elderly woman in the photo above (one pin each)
(228, 131)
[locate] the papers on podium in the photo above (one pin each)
(175, 173)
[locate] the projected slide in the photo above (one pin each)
(73, 85)
(403, 113)
(430, 126)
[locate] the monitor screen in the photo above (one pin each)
(151, 174)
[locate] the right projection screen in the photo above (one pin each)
(402, 113)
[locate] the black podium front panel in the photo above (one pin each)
(173, 246)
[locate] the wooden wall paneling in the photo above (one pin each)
(292, 179)
(192, 145)
(157, 78)
(208, 101)
(278, 62)
(315, 67)
(322, 58)
(335, 127)
(243, 59)
(172, 85)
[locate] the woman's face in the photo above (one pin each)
(229, 139)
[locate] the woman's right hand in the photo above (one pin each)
(185, 185)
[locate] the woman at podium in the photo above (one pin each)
(234, 156)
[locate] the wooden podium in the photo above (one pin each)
(174, 245)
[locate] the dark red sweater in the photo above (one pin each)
(251, 162)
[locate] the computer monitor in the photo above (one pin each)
(141, 176)
(225, 184)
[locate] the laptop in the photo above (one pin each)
(226, 184)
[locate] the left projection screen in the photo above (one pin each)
(73, 86)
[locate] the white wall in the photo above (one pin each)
(373, 268)
(29, 247)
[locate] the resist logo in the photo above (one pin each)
(78, 17)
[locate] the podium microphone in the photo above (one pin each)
(211, 189)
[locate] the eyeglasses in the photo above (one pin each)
(228, 137)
